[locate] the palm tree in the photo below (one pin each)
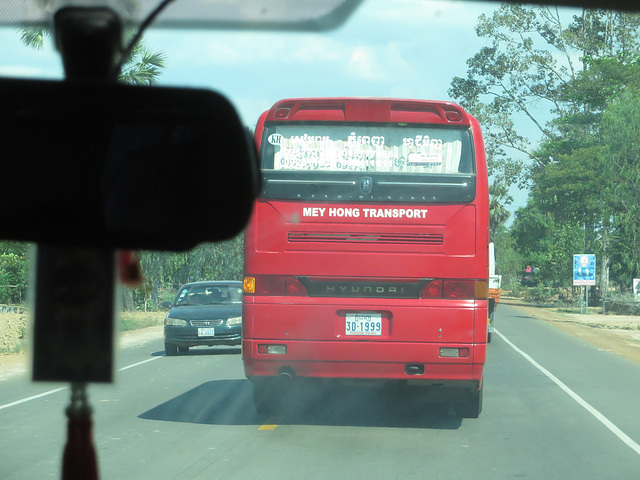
(142, 67)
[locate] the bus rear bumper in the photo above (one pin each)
(419, 364)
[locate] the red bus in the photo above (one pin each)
(367, 253)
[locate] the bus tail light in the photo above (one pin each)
(433, 289)
(264, 349)
(459, 289)
(454, 352)
(276, 285)
(249, 285)
(453, 116)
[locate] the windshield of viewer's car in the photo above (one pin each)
(556, 92)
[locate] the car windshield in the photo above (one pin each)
(440, 277)
(209, 295)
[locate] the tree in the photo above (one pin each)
(14, 267)
(509, 262)
(621, 130)
(554, 74)
(207, 261)
(566, 77)
(546, 244)
(142, 67)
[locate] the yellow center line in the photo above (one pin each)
(268, 427)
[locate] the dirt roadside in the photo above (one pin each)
(16, 324)
(619, 334)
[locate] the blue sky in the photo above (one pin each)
(388, 48)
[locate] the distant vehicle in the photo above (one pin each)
(204, 313)
(495, 283)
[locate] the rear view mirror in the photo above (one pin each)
(119, 166)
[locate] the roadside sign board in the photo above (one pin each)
(584, 269)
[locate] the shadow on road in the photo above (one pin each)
(203, 351)
(229, 402)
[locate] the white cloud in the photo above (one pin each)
(248, 48)
(24, 71)
(364, 64)
(318, 48)
(379, 63)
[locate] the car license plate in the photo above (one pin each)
(206, 332)
(363, 324)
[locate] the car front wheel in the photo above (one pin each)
(170, 349)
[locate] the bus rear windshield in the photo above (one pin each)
(367, 163)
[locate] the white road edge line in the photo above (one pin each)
(599, 416)
(33, 397)
(139, 363)
(56, 390)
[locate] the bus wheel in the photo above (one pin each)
(470, 406)
(183, 349)
(170, 349)
(266, 397)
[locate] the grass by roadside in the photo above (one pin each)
(137, 320)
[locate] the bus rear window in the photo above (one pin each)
(366, 149)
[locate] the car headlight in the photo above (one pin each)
(176, 322)
(234, 321)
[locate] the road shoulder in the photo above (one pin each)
(619, 334)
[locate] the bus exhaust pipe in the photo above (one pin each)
(286, 373)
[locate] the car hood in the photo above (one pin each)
(206, 312)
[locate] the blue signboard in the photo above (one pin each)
(584, 269)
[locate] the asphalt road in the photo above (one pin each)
(554, 408)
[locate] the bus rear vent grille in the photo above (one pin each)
(367, 238)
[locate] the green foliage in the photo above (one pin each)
(143, 66)
(509, 262)
(570, 187)
(621, 130)
(585, 173)
(547, 244)
(14, 267)
(33, 37)
(167, 271)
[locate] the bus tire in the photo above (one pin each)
(183, 349)
(470, 406)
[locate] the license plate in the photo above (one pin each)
(206, 332)
(363, 324)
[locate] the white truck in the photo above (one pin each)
(495, 281)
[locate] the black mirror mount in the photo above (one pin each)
(95, 166)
